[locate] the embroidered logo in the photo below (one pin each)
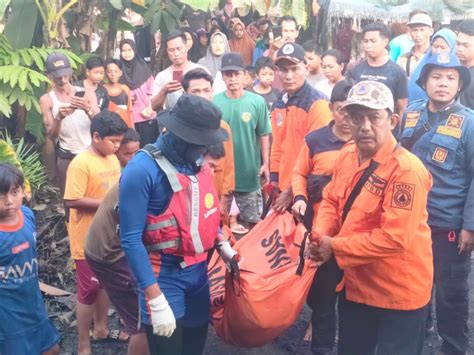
(403, 195)
(288, 49)
(449, 131)
(19, 248)
(412, 119)
(440, 155)
(209, 200)
(455, 121)
(246, 116)
(375, 185)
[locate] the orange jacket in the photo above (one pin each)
(317, 157)
(292, 119)
(384, 246)
(224, 174)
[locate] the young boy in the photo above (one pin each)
(129, 146)
(119, 95)
(24, 324)
(107, 260)
(312, 57)
(95, 72)
(249, 77)
(89, 177)
(265, 71)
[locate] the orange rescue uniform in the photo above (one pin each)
(317, 157)
(292, 119)
(224, 174)
(384, 246)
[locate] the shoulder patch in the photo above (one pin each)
(412, 119)
(455, 121)
(403, 195)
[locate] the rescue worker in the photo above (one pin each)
(440, 131)
(300, 110)
(169, 219)
(312, 173)
(372, 222)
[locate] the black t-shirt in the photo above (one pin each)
(467, 96)
(390, 74)
(270, 97)
(100, 92)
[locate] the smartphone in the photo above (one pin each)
(79, 93)
(178, 75)
(276, 31)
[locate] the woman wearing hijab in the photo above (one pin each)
(139, 78)
(218, 46)
(240, 41)
(193, 45)
(442, 41)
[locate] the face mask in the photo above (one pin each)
(194, 153)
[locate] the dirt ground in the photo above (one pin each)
(289, 343)
(53, 250)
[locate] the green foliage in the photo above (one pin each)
(27, 158)
(21, 24)
(21, 72)
(163, 15)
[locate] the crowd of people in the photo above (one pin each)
(376, 159)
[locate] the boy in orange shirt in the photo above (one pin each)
(89, 177)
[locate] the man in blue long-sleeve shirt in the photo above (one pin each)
(440, 131)
(169, 218)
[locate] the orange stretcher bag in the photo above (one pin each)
(258, 306)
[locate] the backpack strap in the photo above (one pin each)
(165, 165)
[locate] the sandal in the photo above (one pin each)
(113, 336)
(238, 229)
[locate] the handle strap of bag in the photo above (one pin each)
(347, 207)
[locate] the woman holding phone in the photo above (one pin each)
(138, 77)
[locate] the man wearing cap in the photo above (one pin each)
(420, 28)
(169, 219)
(299, 110)
(440, 131)
(66, 115)
(313, 170)
(247, 115)
(372, 223)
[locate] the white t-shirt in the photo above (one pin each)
(75, 131)
(325, 87)
(165, 76)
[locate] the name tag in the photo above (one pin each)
(449, 131)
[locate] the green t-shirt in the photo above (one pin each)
(248, 119)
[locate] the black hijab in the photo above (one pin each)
(135, 71)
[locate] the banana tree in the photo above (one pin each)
(21, 76)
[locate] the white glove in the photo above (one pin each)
(225, 251)
(162, 317)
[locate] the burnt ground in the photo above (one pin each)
(55, 269)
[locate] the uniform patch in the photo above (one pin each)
(440, 155)
(449, 131)
(455, 121)
(208, 200)
(246, 116)
(403, 195)
(412, 119)
(375, 185)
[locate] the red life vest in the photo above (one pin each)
(189, 226)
